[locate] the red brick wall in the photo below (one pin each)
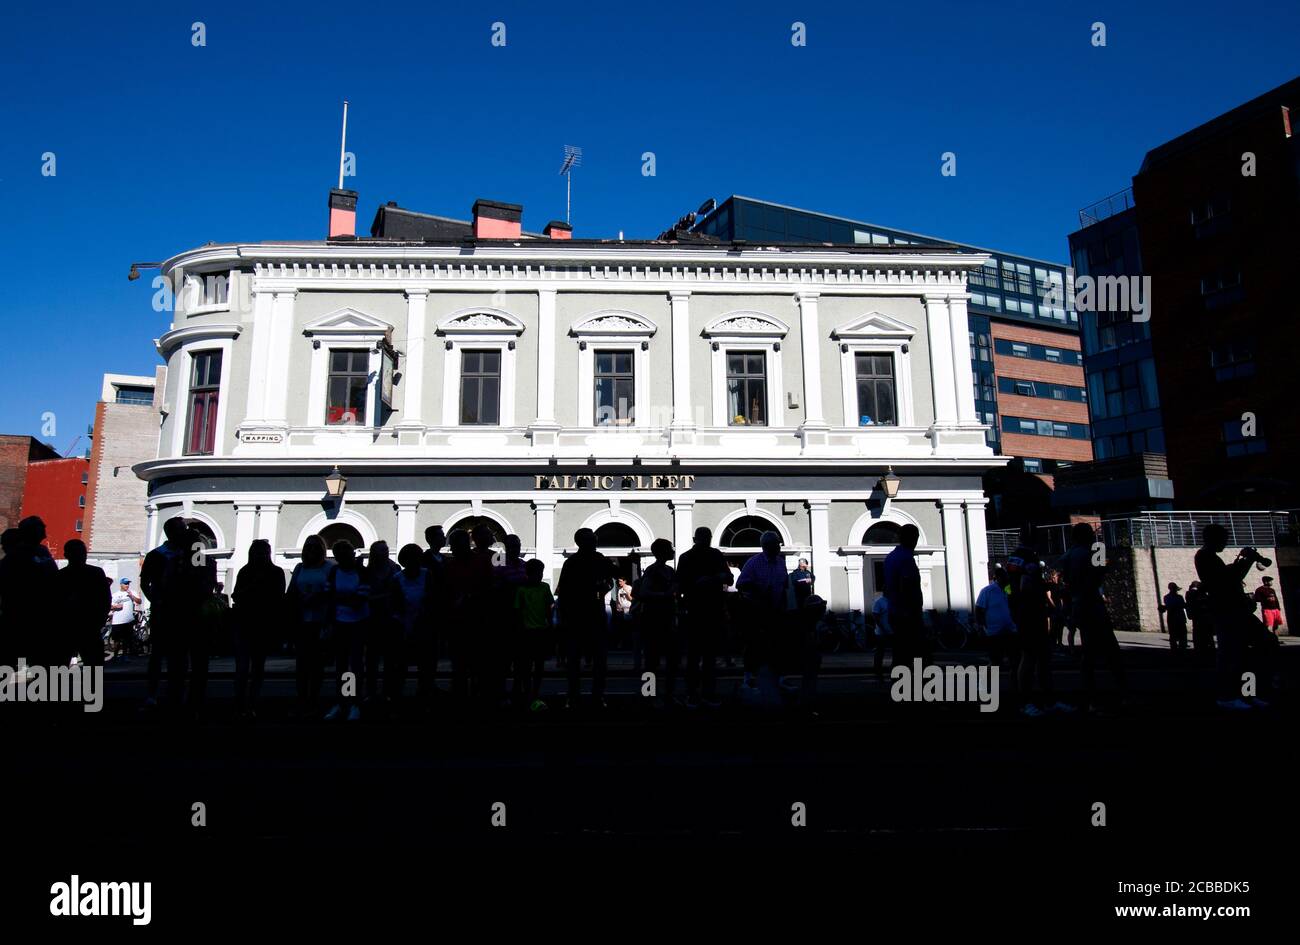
(1042, 408)
(1047, 447)
(53, 488)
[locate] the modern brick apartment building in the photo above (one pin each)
(16, 454)
(56, 491)
(1217, 216)
(1040, 386)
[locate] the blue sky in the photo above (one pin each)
(161, 145)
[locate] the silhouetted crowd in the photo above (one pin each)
(494, 617)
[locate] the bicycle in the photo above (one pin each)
(953, 633)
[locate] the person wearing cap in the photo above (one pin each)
(124, 606)
(1270, 610)
(1175, 610)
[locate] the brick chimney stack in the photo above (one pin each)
(558, 230)
(343, 213)
(500, 221)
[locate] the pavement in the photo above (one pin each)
(889, 808)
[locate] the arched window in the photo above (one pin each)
(204, 532)
(471, 522)
(745, 532)
(616, 535)
(881, 533)
(341, 531)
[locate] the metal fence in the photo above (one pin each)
(1106, 207)
(1161, 530)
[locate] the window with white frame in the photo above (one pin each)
(875, 370)
(747, 372)
(479, 367)
(613, 367)
(345, 369)
(348, 386)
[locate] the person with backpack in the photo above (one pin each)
(349, 596)
(308, 606)
(257, 616)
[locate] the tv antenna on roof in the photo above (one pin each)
(343, 146)
(572, 159)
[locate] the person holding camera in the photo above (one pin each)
(1231, 612)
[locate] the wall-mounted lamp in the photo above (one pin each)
(336, 484)
(889, 483)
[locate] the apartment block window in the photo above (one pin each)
(1033, 465)
(78, 526)
(1220, 281)
(746, 388)
(138, 396)
(876, 391)
(205, 388)
(348, 381)
(615, 387)
(480, 387)
(1020, 351)
(1233, 359)
(85, 479)
(1238, 444)
(1069, 431)
(81, 501)
(1052, 354)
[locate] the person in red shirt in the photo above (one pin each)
(1270, 610)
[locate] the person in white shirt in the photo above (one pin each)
(125, 604)
(993, 616)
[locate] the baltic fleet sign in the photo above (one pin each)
(614, 482)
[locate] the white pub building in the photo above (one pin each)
(457, 373)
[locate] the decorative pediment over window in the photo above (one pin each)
(480, 321)
(874, 325)
(745, 325)
(614, 322)
(348, 321)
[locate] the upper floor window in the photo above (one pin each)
(1233, 359)
(205, 389)
(480, 387)
(877, 400)
(141, 396)
(1237, 443)
(349, 379)
(615, 387)
(746, 388)
(210, 289)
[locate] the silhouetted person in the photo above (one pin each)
(1175, 610)
(415, 626)
(534, 604)
(83, 600)
(196, 611)
(32, 591)
(1030, 609)
(764, 584)
(350, 611)
(12, 613)
(993, 615)
(435, 538)
(585, 579)
(1231, 613)
(468, 582)
(656, 597)
(157, 583)
(508, 575)
(802, 580)
(903, 594)
(884, 633)
(1198, 613)
(1083, 579)
(384, 629)
(258, 615)
(310, 612)
(702, 580)
(1270, 611)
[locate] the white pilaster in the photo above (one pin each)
(406, 509)
(977, 544)
(956, 559)
(277, 381)
(259, 357)
(680, 302)
(544, 513)
(268, 522)
(683, 524)
(853, 574)
(810, 346)
(546, 356)
(245, 528)
(819, 522)
(939, 339)
(963, 378)
(413, 371)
